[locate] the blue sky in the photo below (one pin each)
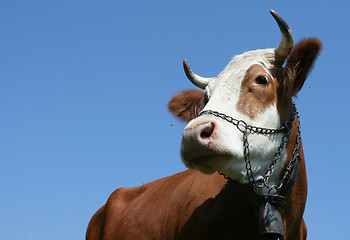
(84, 87)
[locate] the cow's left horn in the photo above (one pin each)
(197, 80)
(287, 42)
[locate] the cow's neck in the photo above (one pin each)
(234, 210)
(270, 219)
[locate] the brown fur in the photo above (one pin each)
(187, 104)
(254, 97)
(299, 65)
(191, 205)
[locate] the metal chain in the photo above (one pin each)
(245, 129)
(295, 156)
(248, 165)
(243, 126)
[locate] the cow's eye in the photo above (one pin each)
(262, 80)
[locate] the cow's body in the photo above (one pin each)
(256, 89)
(190, 205)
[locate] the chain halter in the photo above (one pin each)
(285, 130)
(270, 219)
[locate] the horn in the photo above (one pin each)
(287, 41)
(197, 80)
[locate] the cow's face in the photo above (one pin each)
(245, 90)
(255, 88)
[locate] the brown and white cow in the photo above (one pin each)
(256, 88)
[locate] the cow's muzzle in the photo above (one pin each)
(197, 140)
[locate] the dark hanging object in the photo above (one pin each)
(270, 222)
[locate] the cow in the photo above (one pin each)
(243, 148)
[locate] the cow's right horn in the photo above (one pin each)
(197, 80)
(287, 41)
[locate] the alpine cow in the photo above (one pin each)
(247, 177)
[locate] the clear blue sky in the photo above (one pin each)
(84, 87)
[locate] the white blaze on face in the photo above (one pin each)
(227, 95)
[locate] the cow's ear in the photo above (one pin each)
(299, 64)
(187, 104)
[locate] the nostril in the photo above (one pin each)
(208, 130)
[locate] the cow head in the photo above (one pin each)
(256, 87)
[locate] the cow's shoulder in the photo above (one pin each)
(110, 215)
(122, 197)
(153, 208)
(96, 224)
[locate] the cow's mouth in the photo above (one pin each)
(208, 164)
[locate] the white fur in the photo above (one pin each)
(224, 94)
